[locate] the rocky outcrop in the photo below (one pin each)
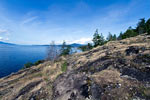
(119, 70)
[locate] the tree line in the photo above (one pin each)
(142, 27)
(53, 51)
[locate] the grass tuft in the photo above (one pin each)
(64, 67)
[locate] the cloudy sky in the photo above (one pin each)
(41, 21)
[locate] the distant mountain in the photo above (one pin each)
(4, 43)
(73, 45)
(76, 45)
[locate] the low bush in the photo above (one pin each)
(30, 64)
(27, 65)
(64, 67)
(38, 62)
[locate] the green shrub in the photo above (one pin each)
(64, 67)
(27, 65)
(30, 64)
(38, 62)
(86, 47)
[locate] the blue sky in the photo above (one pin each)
(43, 21)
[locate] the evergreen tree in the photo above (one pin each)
(86, 47)
(148, 26)
(109, 37)
(114, 37)
(141, 27)
(96, 38)
(129, 33)
(120, 36)
(65, 49)
(102, 40)
(89, 46)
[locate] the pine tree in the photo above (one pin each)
(86, 47)
(96, 38)
(89, 46)
(120, 36)
(141, 27)
(102, 40)
(129, 33)
(114, 37)
(109, 37)
(65, 49)
(148, 26)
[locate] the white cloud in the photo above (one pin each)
(82, 41)
(3, 31)
(4, 34)
(40, 27)
(1, 38)
(7, 39)
(28, 20)
(4, 39)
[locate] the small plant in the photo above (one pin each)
(86, 47)
(64, 67)
(65, 49)
(30, 64)
(38, 62)
(145, 92)
(27, 65)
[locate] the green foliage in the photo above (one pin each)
(38, 62)
(102, 40)
(144, 92)
(148, 26)
(141, 26)
(120, 36)
(89, 46)
(86, 47)
(111, 37)
(83, 48)
(98, 39)
(114, 37)
(28, 65)
(129, 33)
(65, 49)
(64, 67)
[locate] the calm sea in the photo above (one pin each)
(13, 57)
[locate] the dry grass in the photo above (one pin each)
(47, 72)
(107, 76)
(51, 72)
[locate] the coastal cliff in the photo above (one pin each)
(118, 70)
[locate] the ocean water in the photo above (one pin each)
(13, 57)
